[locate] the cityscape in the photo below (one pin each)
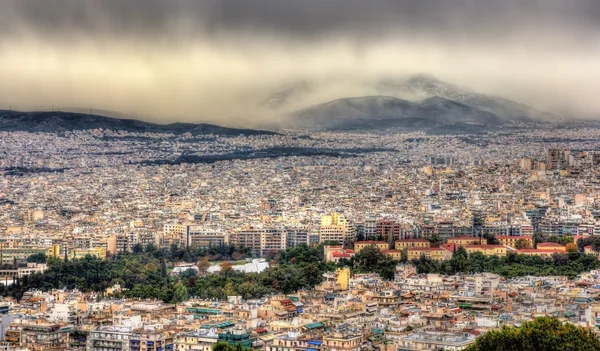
(279, 175)
(414, 198)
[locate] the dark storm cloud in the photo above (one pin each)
(294, 19)
(215, 59)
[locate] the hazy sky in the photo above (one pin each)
(218, 60)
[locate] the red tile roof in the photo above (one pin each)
(549, 245)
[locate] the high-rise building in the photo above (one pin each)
(260, 240)
(336, 228)
(557, 159)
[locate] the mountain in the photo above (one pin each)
(377, 112)
(48, 122)
(390, 102)
(427, 85)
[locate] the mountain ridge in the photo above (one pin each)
(415, 89)
(376, 112)
(56, 121)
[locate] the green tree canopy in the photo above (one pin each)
(542, 334)
(372, 260)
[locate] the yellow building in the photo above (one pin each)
(19, 254)
(99, 252)
(335, 227)
(56, 252)
(343, 277)
(335, 281)
(396, 255)
(509, 240)
(381, 245)
(334, 219)
(53, 251)
(487, 250)
(434, 253)
(341, 342)
(408, 243)
(467, 240)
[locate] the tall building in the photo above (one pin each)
(260, 240)
(196, 235)
(336, 228)
(297, 236)
(370, 228)
(557, 159)
(526, 163)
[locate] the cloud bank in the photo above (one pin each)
(218, 61)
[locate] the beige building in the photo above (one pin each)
(335, 227)
(434, 253)
(487, 250)
(408, 243)
(467, 240)
(511, 241)
(381, 245)
(338, 341)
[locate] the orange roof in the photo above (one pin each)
(341, 255)
(550, 245)
(532, 251)
(370, 242)
(412, 241)
(449, 247)
(424, 249)
(485, 246)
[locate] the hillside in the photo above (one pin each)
(48, 122)
(380, 112)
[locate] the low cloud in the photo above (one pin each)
(218, 61)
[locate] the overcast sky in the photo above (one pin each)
(218, 60)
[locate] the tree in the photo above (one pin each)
(226, 266)
(137, 248)
(542, 334)
(459, 259)
(491, 239)
(571, 247)
(434, 239)
(522, 244)
(37, 258)
(203, 265)
(372, 260)
(566, 239)
(179, 292)
(189, 273)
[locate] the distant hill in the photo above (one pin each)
(48, 122)
(430, 86)
(415, 102)
(378, 112)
